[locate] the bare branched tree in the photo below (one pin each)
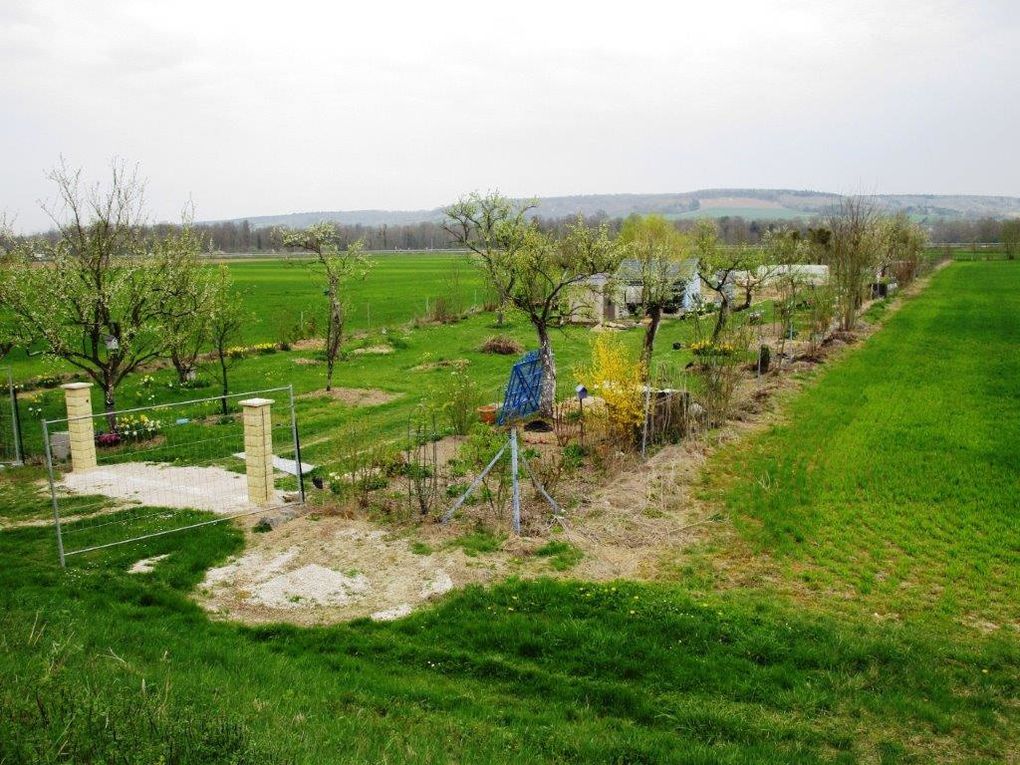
(531, 270)
(338, 266)
(655, 255)
(852, 250)
(100, 292)
(1010, 234)
(719, 267)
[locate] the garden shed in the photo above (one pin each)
(605, 297)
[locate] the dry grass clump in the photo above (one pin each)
(504, 345)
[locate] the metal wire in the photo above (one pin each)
(160, 470)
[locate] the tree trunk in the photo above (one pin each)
(746, 304)
(545, 354)
(110, 407)
(223, 377)
(182, 366)
(655, 314)
(334, 335)
(720, 322)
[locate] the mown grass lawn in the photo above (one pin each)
(896, 479)
(98, 665)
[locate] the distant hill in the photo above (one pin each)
(761, 204)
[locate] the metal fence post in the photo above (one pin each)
(297, 446)
(53, 493)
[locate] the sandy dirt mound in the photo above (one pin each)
(334, 569)
(356, 396)
(147, 483)
(373, 350)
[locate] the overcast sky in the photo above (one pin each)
(253, 108)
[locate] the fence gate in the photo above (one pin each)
(145, 472)
(10, 428)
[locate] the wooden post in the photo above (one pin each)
(258, 450)
(78, 398)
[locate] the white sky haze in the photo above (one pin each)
(253, 108)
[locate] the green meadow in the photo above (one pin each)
(399, 287)
(858, 604)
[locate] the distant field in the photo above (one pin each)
(397, 289)
(749, 213)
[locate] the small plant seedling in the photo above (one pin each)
(477, 542)
(561, 555)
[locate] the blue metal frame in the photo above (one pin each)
(524, 391)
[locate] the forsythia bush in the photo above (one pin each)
(615, 376)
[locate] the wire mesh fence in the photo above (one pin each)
(10, 430)
(166, 468)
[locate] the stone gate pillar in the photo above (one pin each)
(78, 398)
(258, 450)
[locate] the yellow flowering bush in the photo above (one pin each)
(615, 376)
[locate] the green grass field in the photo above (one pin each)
(896, 479)
(397, 288)
(748, 213)
(889, 489)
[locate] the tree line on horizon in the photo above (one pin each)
(242, 237)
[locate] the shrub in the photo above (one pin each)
(504, 345)
(107, 440)
(719, 370)
(457, 398)
(615, 375)
(821, 311)
(443, 311)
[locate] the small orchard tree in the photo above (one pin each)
(655, 254)
(9, 325)
(779, 251)
(532, 271)
(902, 243)
(851, 247)
(98, 294)
(785, 250)
(226, 319)
(719, 266)
(338, 267)
(1010, 234)
(191, 292)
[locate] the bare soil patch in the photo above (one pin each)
(329, 569)
(356, 396)
(373, 350)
